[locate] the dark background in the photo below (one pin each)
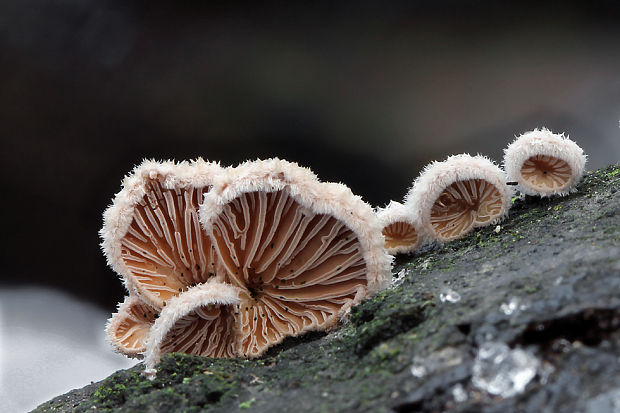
(363, 92)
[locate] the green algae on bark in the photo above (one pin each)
(558, 258)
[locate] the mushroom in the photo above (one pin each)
(200, 321)
(128, 328)
(300, 251)
(402, 228)
(544, 163)
(459, 194)
(151, 234)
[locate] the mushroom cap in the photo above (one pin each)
(544, 163)
(151, 234)
(199, 321)
(128, 328)
(402, 228)
(459, 194)
(302, 252)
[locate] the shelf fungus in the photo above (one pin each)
(459, 194)
(402, 228)
(128, 328)
(544, 163)
(301, 252)
(201, 321)
(151, 234)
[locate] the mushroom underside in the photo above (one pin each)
(400, 234)
(296, 269)
(129, 328)
(206, 331)
(165, 248)
(546, 173)
(463, 205)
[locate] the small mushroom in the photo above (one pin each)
(200, 322)
(402, 228)
(544, 163)
(129, 326)
(301, 252)
(151, 234)
(459, 194)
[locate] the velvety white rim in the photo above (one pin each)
(117, 318)
(177, 307)
(397, 212)
(439, 175)
(118, 216)
(321, 198)
(543, 142)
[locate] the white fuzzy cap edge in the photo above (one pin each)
(117, 318)
(177, 307)
(397, 212)
(118, 216)
(335, 199)
(437, 176)
(543, 142)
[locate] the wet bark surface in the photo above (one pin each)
(524, 316)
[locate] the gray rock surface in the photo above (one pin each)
(523, 317)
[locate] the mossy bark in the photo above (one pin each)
(557, 258)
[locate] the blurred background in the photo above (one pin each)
(365, 93)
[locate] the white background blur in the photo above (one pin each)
(50, 343)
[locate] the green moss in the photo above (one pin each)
(247, 404)
(613, 173)
(385, 351)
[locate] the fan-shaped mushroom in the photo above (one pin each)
(151, 233)
(544, 163)
(199, 321)
(128, 328)
(402, 228)
(301, 252)
(459, 194)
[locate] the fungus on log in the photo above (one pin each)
(200, 321)
(300, 251)
(544, 163)
(402, 228)
(459, 194)
(152, 236)
(128, 328)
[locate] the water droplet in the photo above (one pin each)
(498, 370)
(510, 307)
(513, 305)
(450, 296)
(459, 394)
(400, 277)
(418, 371)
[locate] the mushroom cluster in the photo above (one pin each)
(451, 198)
(227, 262)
